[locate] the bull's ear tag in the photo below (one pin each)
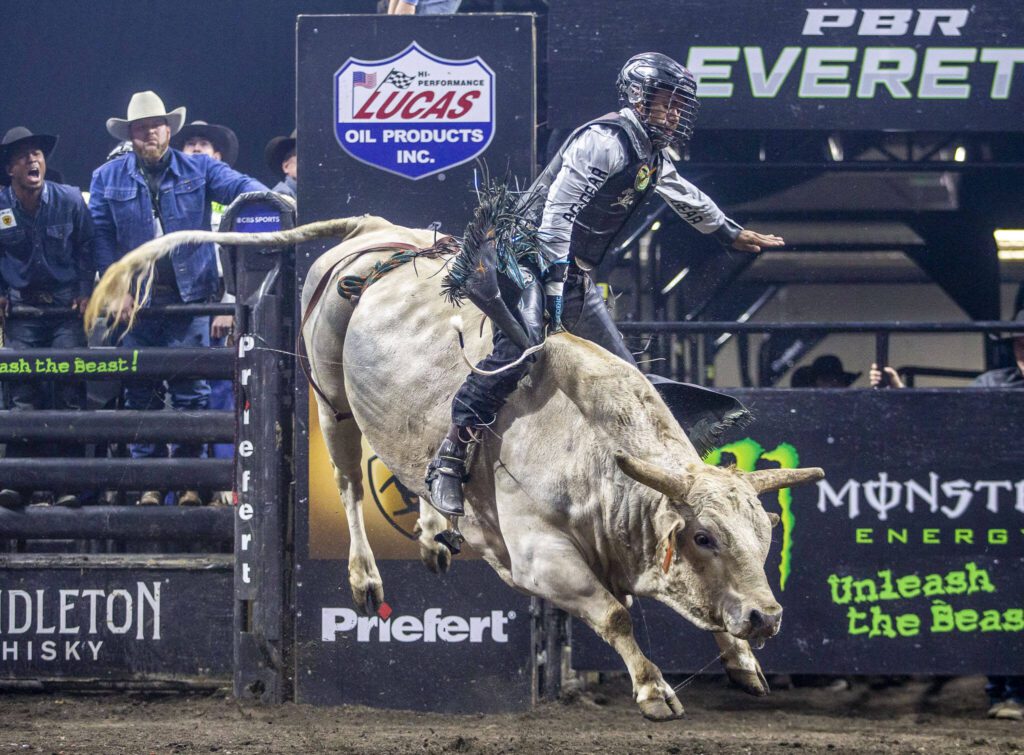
(669, 552)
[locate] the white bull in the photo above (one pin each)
(585, 492)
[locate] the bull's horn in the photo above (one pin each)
(674, 485)
(767, 480)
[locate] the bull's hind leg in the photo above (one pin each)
(344, 442)
(435, 556)
(740, 664)
(562, 576)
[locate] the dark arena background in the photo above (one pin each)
(883, 141)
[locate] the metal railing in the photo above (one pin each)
(881, 330)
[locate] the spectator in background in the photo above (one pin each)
(803, 377)
(422, 7)
(136, 197)
(46, 259)
(280, 156)
(827, 372)
(202, 138)
(1005, 693)
(1001, 377)
(220, 143)
(824, 372)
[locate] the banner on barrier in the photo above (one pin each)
(384, 102)
(932, 66)
(907, 557)
(94, 620)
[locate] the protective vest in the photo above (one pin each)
(612, 205)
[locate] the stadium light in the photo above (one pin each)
(1010, 243)
(835, 148)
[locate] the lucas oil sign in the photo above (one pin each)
(414, 114)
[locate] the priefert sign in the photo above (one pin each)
(432, 626)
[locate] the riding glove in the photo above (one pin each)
(554, 283)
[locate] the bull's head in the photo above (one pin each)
(713, 538)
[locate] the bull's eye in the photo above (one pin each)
(704, 540)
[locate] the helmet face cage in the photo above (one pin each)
(665, 103)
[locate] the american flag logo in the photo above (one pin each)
(364, 79)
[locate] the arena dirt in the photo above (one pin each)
(911, 718)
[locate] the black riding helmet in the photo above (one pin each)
(642, 78)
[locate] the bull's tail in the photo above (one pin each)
(127, 283)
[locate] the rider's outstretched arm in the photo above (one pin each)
(701, 212)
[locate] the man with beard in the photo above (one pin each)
(46, 260)
(134, 198)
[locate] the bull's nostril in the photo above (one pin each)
(761, 621)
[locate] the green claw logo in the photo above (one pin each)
(747, 452)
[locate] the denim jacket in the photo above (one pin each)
(122, 213)
(53, 250)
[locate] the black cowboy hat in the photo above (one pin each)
(829, 365)
(222, 138)
(803, 377)
(19, 135)
(276, 150)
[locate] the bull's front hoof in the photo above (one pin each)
(661, 706)
(751, 682)
(452, 540)
(367, 597)
(435, 557)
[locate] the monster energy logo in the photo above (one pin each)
(747, 453)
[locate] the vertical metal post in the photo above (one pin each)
(743, 353)
(553, 622)
(882, 356)
(263, 283)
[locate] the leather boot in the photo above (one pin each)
(447, 471)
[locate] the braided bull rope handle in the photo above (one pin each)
(456, 323)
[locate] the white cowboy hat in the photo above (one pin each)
(145, 105)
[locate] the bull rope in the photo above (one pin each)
(689, 680)
(456, 323)
(351, 287)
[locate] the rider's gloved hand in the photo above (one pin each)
(554, 283)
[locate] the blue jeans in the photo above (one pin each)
(1001, 688)
(63, 333)
(222, 396)
(180, 331)
(437, 7)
